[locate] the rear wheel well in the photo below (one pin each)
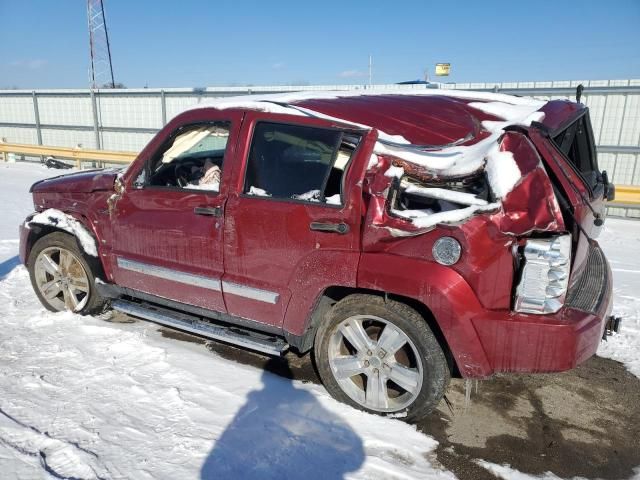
(334, 294)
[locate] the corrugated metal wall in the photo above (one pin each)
(127, 119)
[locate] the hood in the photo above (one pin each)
(80, 182)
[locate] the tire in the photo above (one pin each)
(365, 373)
(60, 273)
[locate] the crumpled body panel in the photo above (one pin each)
(531, 205)
(86, 181)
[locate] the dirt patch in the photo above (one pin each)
(585, 422)
(579, 423)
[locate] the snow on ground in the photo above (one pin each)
(84, 398)
(15, 204)
(15, 200)
(621, 243)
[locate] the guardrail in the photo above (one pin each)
(627, 196)
(78, 154)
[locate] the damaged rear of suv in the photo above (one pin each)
(404, 238)
(520, 231)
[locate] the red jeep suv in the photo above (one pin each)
(404, 238)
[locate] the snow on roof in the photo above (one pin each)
(446, 161)
(451, 160)
(256, 102)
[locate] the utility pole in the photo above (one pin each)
(370, 70)
(101, 71)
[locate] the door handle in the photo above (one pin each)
(340, 228)
(208, 211)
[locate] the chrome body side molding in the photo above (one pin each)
(170, 274)
(215, 284)
(249, 292)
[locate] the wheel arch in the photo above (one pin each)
(333, 294)
(37, 231)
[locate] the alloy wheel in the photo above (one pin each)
(375, 363)
(61, 279)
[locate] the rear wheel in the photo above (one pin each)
(381, 356)
(61, 276)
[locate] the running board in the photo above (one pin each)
(270, 345)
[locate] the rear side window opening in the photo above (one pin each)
(296, 162)
(577, 144)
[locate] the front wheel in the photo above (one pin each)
(61, 276)
(380, 356)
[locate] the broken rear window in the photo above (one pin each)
(576, 142)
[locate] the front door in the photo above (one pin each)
(168, 226)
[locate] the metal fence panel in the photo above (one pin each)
(17, 109)
(126, 119)
(178, 103)
(125, 141)
(19, 134)
(129, 111)
(64, 110)
(63, 137)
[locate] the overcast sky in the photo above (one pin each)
(196, 43)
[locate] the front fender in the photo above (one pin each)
(444, 291)
(60, 220)
(38, 224)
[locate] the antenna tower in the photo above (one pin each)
(101, 71)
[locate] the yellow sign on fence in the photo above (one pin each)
(443, 69)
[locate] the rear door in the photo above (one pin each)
(292, 224)
(168, 226)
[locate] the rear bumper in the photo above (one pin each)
(516, 342)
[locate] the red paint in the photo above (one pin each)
(559, 112)
(266, 243)
(520, 213)
(542, 343)
(81, 182)
(422, 120)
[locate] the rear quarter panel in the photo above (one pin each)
(443, 290)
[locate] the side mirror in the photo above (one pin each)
(609, 188)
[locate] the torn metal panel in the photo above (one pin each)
(514, 189)
(532, 204)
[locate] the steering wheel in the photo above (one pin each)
(183, 175)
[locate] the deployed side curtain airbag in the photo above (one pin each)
(185, 141)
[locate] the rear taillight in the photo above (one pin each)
(544, 275)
